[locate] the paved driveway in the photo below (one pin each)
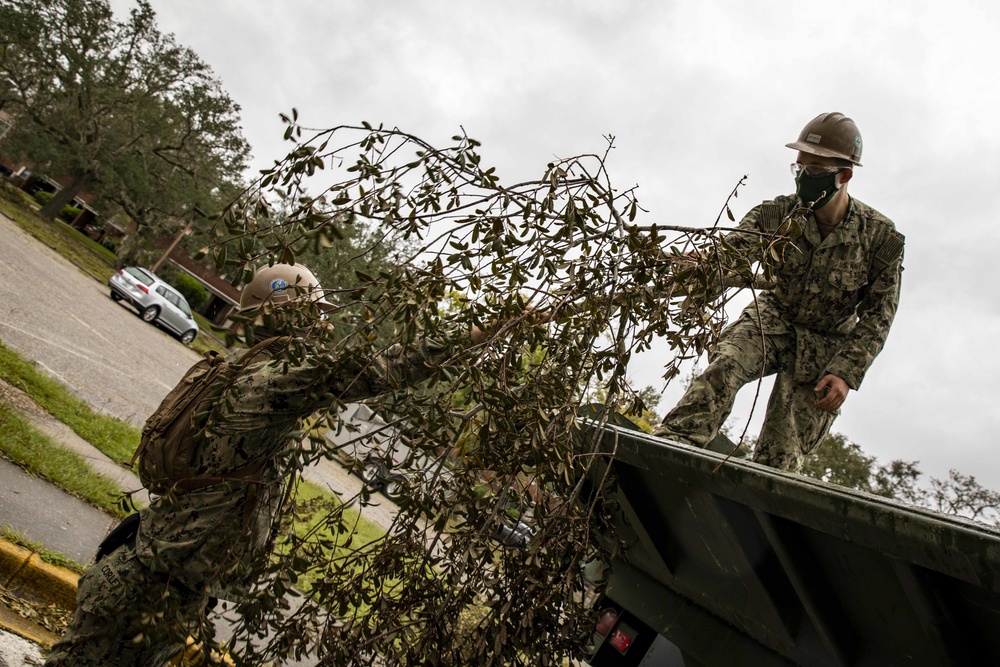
(64, 320)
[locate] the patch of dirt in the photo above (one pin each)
(21, 402)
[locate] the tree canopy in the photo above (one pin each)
(119, 108)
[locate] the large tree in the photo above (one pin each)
(118, 107)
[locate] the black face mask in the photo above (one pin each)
(816, 191)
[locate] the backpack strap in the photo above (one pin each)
(249, 355)
(123, 533)
(243, 474)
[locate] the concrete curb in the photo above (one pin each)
(25, 574)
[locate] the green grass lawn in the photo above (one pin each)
(39, 455)
(115, 438)
(364, 532)
(329, 545)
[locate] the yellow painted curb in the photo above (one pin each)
(24, 573)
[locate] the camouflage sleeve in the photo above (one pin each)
(875, 315)
(766, 218)
(747, 233)
(743, 247)
(346, 374)
(395, 368)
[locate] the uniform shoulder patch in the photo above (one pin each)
(891, 248)
(771, 216)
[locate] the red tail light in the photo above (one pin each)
(142, 287)
(622, 638)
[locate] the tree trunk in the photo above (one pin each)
(65, 196)
(127, 251)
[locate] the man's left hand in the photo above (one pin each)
(836, 393)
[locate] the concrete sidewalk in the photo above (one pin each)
(65, 437)
(44, 514)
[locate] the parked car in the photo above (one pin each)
(514, 533)
(156, 301)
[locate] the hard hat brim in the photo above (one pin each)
(813, 149)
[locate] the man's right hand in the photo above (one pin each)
(836, 393)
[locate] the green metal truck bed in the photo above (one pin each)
(740, 564)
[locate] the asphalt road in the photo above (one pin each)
(66, 321)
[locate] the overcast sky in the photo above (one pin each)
(697, 94)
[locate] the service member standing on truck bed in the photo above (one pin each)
(825, 320)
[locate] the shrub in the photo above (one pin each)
(192, 290)
(168, 273)
(13, 194)
(69, 213)
(42, 197)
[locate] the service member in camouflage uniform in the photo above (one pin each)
(207, 541)
(825, 320)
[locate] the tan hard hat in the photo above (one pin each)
(830, 135)
(281, 283)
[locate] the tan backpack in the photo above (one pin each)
(173, 433)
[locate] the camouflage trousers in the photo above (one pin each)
(793, 426)
(126, 616)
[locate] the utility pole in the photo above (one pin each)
(177, 239)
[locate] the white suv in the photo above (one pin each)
(156, 301)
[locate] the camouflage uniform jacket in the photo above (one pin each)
(203, 538)
(839, 294)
